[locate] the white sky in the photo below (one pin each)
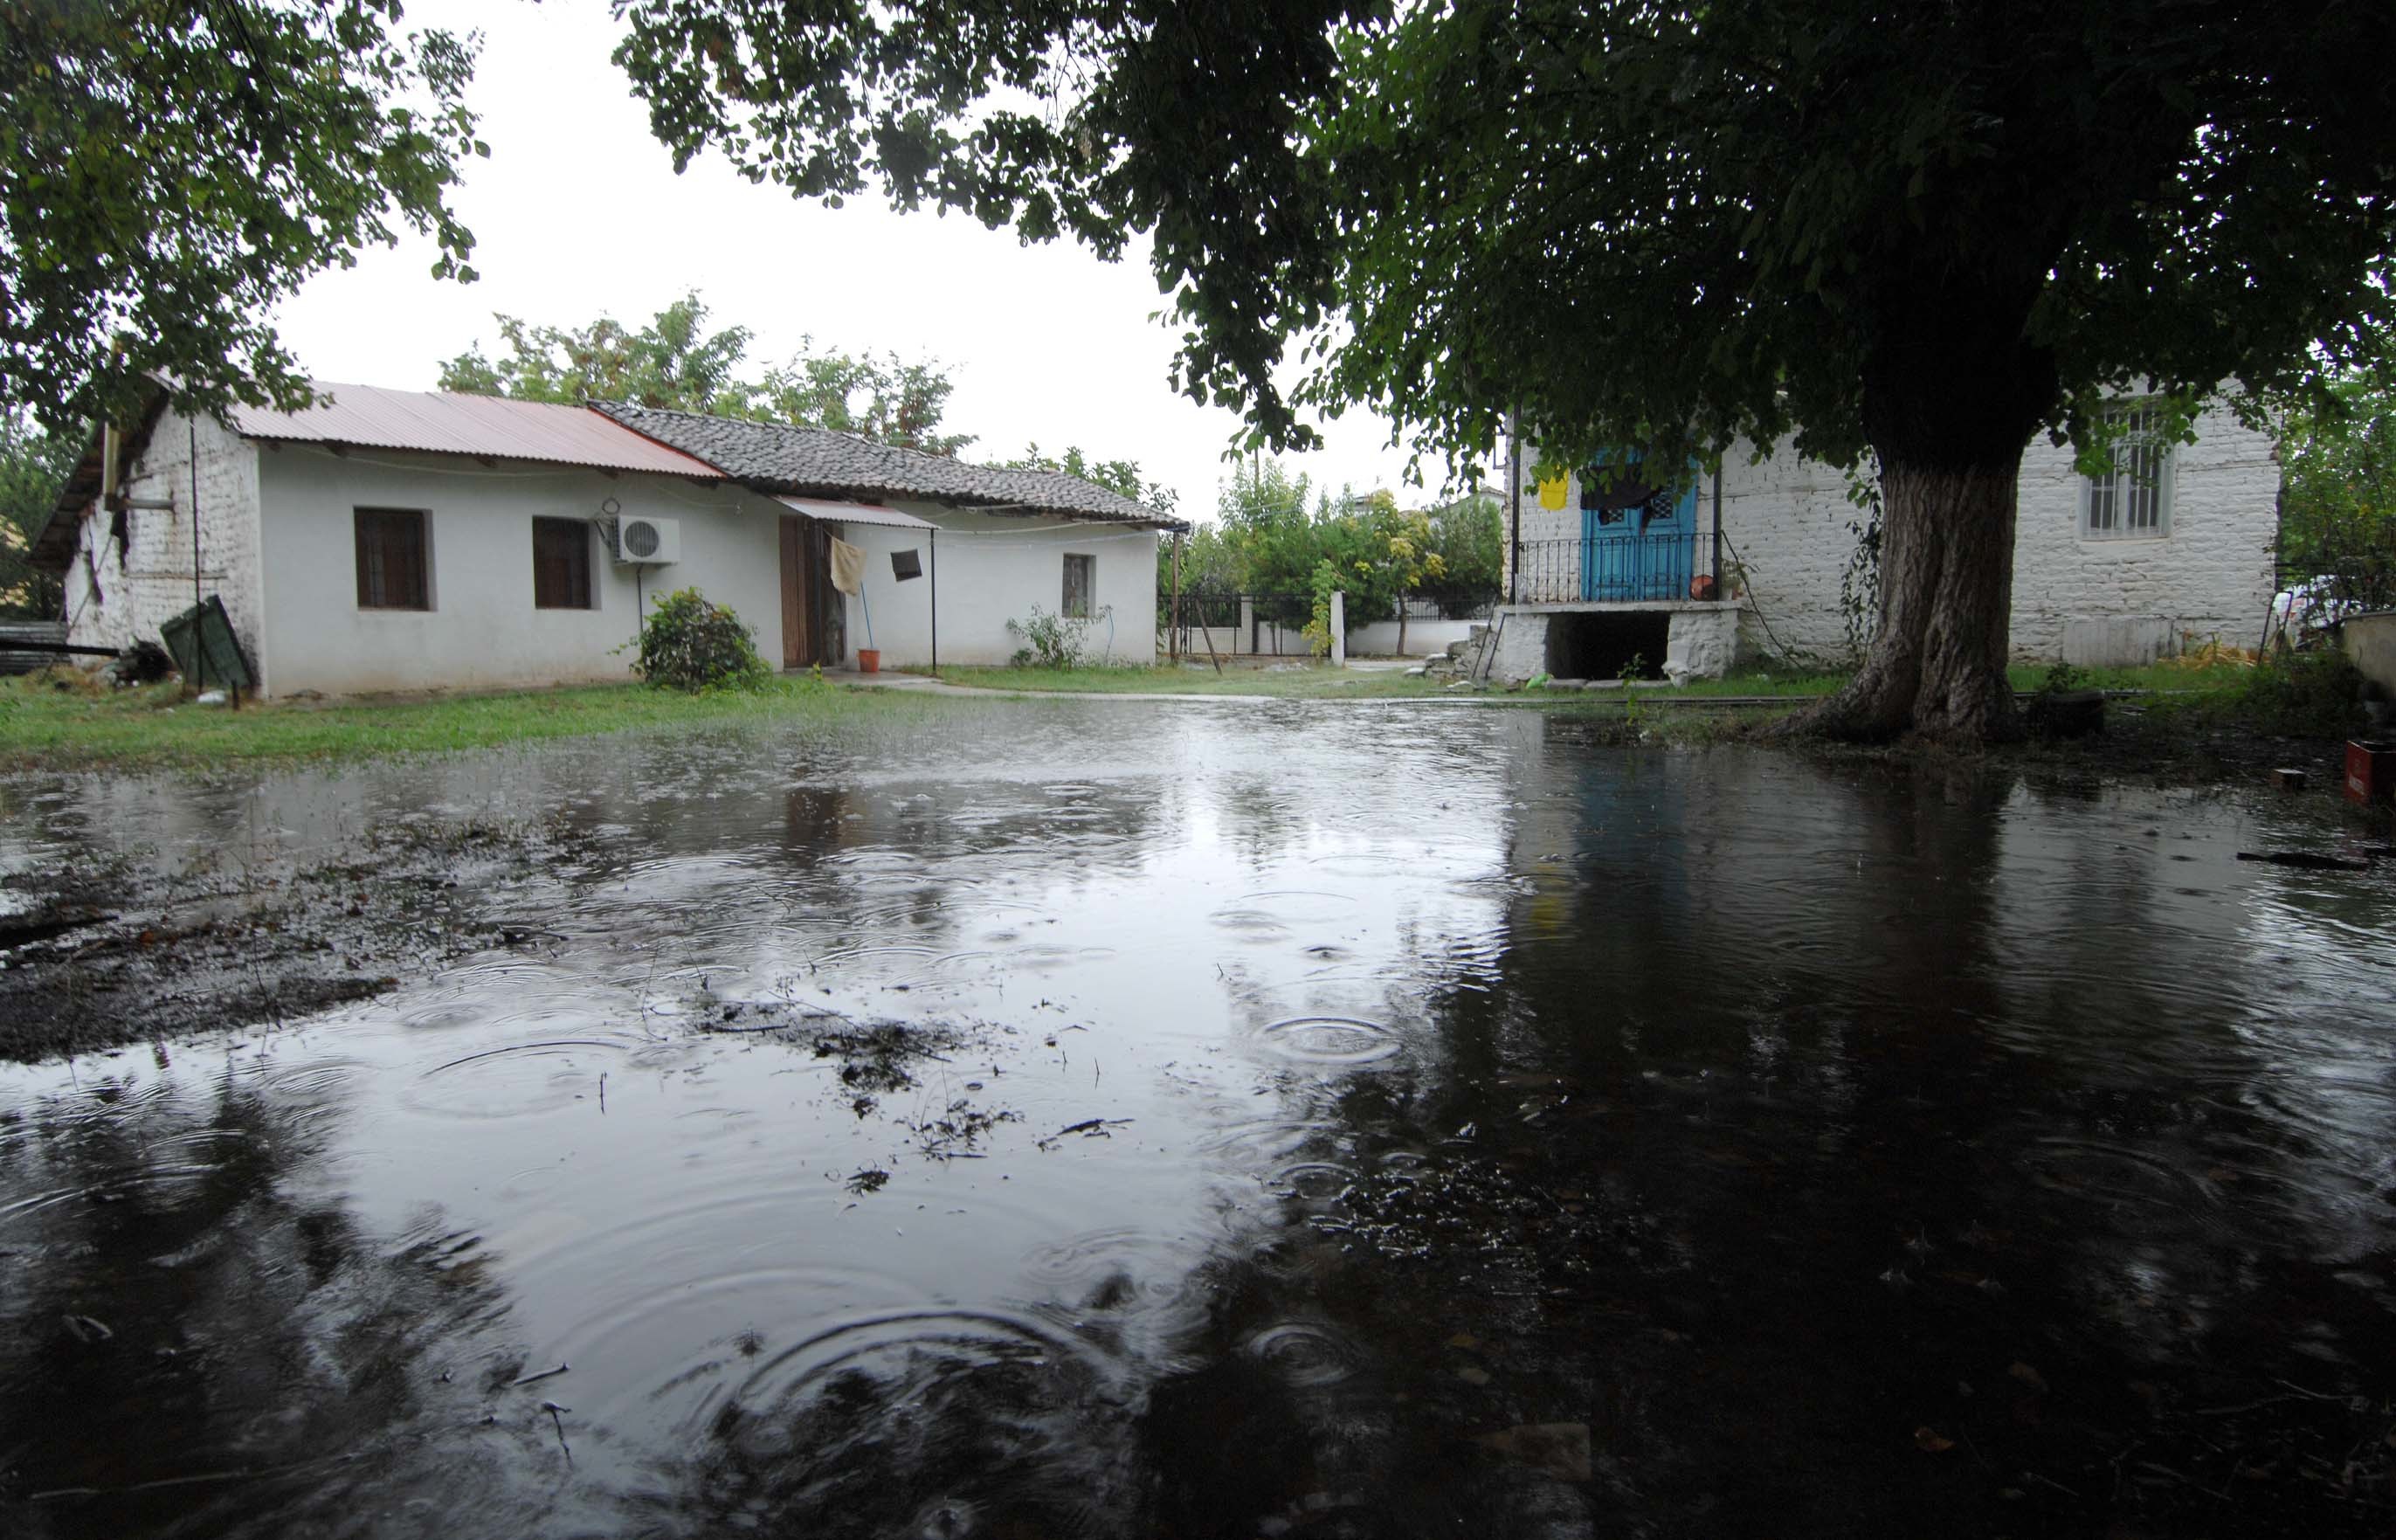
(579, 212)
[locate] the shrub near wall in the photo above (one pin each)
(689, 644)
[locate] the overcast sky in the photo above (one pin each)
(579, 211)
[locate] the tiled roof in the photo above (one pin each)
(817, 461)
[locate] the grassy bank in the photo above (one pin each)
(69, 722)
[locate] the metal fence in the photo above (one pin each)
(1268, 624)
(1617, 568)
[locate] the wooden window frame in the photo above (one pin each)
(373, 585)
(562, 530)
(1089, 595)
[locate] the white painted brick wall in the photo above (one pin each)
(1787, 521)
(115, 598)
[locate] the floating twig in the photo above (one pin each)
(536, 1379)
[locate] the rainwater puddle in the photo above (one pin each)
(1112, 1119)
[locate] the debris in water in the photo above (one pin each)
(1560, 1450)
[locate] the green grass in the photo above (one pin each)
(1298, 680)
(2154, 677)
(1294, 679)
(43, 726)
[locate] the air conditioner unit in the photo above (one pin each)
(645, 542)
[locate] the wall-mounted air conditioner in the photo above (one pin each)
(640, 542)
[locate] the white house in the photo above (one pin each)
(399, 541)
(2176, 542)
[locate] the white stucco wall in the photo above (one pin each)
(1787, 521)
(483, 631)
(993, 568)
(115, 598)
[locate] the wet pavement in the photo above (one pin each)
(1090, 1117)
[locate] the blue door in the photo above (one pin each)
(1636, 539)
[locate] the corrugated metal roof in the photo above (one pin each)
(443, 422)
(849, 512)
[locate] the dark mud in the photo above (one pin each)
(1093, 1118)
(100, 951)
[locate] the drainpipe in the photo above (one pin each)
(936, 599)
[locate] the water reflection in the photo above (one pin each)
(1102, 1119)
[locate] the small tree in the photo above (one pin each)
(690, 644)
(34, 465)
(2337, 499)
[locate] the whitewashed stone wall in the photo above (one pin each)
(117, 596)
(2211, 575)
(1789, 527)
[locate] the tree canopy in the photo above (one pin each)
(171, 170)
(2338, 497)
(1924, 231)
(1273, 530)
(674, 362)
(1116, 475)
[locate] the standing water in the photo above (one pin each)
(1112, 1119)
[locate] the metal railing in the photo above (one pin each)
(1613, 569)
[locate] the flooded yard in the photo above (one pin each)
(1107, 1118)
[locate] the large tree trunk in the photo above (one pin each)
(1953, 390)
(1936, 665)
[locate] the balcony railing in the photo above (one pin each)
(1614, 569)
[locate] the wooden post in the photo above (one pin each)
(1172, 638)
(199, 628)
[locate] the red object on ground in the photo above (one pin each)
(1701, 587)
(869, 660)
(2370, 771)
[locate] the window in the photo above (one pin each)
(1081, 580)
(392, 573)
(2133, 501)
(561, 565)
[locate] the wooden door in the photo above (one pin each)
(796, 594)
(811, 620)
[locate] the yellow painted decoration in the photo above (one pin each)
(1552, 493)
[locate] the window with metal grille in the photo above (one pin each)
(1081, 581)
(2133, 501)
(561, 564)
(393, 571)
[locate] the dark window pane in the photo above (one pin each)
(1080, 578)
(561, 565)
(392, 573)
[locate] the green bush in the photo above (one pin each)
(689, 644)
(1051, 640)
(2313, 694)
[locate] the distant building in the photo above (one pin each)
(2116, 570)
(408, 541)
